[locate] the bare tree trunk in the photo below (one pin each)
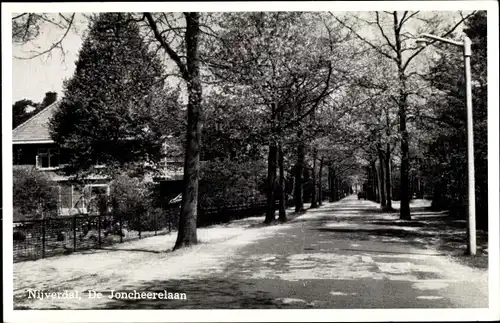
(381, 177)
(271, 183)
(320, 186)
(418, 192)
(299, 170)
(375, 182)
(387, 164)
(402, 103)
(405, 194)
(339, 184)
(330, 184)
(314, 195)
(188, 216)
(388, 183)
(271, 171)
(336, 188)
(333, 188)
(282, 210)
(372, 178)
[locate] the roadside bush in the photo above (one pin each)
(129, 198)
(155, 218)
(34, 195)
(137, 203)
(225, 182)
(19, 236)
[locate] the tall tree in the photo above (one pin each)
(314, 194)
(395, 41)
(181, 44)
(445, 129)
(189, 67)
(113, 112)
(288, 72)
(281, 185)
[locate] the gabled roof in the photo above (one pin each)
(35, 129)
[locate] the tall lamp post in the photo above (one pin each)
(466, 46)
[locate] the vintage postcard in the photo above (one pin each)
(203, 162)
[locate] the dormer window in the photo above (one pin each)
(47, 158)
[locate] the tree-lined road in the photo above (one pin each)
(342, 255)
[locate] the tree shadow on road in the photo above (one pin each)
(213, 293)
(378, 231)
(138, 250)
(427, 229)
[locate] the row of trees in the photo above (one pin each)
(310, 94)
(436, 121)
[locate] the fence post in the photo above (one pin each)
(74, 233)
(23, 226)
(99, 229)
(120, 219)
(139, 224)
(156, 224)
(43, 237)
(169, 220)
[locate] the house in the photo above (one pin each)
(33, 147)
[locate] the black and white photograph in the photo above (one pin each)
(280, 156)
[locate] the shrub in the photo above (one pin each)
(227, 182)
(129, 198)
(34, 194)
(153, 219)
(19, 236)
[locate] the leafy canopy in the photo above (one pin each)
(116, 110)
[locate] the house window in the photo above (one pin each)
(47, 158)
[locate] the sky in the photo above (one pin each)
(32, 78)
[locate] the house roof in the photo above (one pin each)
(35, 129)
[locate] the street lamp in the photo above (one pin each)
(466, 46)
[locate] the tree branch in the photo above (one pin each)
(19, 16)
(405, 65)
(403, 20)
(383, 33)
(363, 39)
(173, 55)
(54, 45)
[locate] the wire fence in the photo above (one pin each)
(35, 239)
